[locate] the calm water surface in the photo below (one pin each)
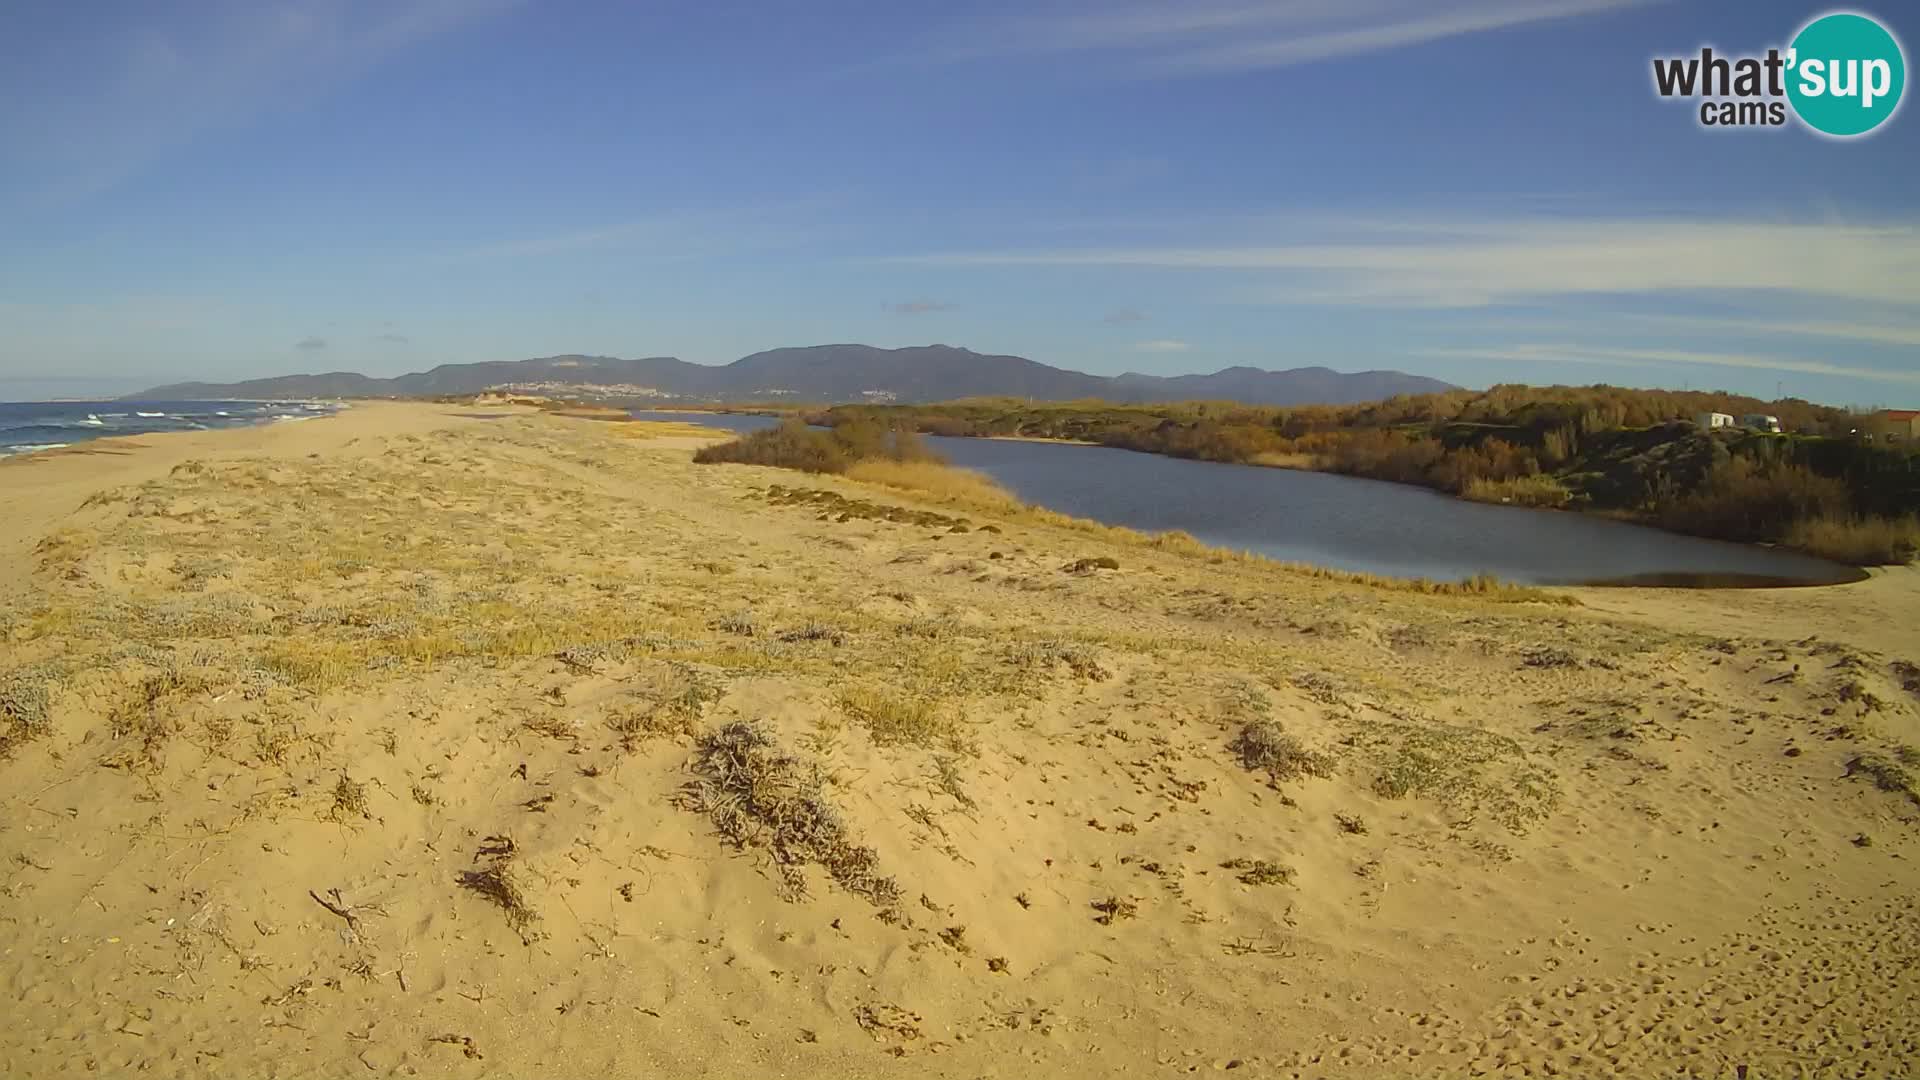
(1350, 523)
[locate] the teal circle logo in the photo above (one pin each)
(1845, 74)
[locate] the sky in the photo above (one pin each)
(1483, 191)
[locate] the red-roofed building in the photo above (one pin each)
(1901, 424)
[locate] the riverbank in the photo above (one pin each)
(411, 739)
(1832, 497)
(1340, 522)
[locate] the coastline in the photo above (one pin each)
(1305, 463)
(383, 740)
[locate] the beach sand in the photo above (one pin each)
(441, 741)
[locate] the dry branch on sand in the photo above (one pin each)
(501, 881)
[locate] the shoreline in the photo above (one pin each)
(403, 736)
(1841, 573)
(94, 429)
(1624, 517)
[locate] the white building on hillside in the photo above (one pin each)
(1712, 421)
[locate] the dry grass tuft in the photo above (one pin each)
(1262, 745)
(146, 717)
(884, 1021)
(1468, 769)
(673, 709)
(1889, 773)
(1259, 872)
(944, 484)
(758, 796)
(349, 800)
(1041, 657)
(502, 882)
(898, 719)
(1909, 676)
(815, 631)
(25, 703)
(947, 776)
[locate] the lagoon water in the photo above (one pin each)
(1350, 523)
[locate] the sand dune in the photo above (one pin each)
(428, 741)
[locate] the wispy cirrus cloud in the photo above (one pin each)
(312, 344)
(81, 113)
(1163, 345)
(1211, 36)
(671, 234)
(1618, 357)
(919, 307)
(1123, 316)
(1876, 333)
(1443, 264)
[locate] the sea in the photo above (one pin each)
(30, 426)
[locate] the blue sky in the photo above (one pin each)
(1480, 190)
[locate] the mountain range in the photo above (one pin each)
(827, 373)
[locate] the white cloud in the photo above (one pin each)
(1873, 333)
(1212, 36)
(1162, 345)
(1614, 357)
(1442, 264)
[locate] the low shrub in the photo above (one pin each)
(794, 445)
(1744, 499)
(1539, 490)
(1858, 541)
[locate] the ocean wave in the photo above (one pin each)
(30, 448)
(40, 432)
(150, 415)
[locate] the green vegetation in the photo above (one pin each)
(898, 719)
(1633, 453)
(793, 445)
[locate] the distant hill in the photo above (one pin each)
(829, 373)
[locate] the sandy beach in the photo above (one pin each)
(479, 741)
